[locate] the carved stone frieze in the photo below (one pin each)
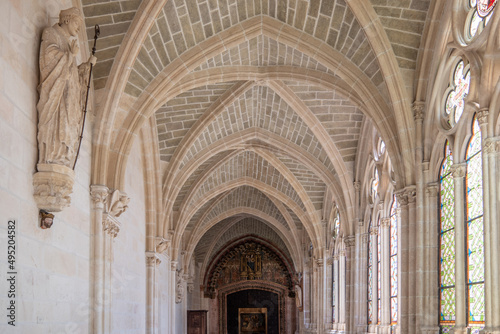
(459, 170)
(53, 185)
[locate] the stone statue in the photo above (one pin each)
(298, 296)
(62, 90)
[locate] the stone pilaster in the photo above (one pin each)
(403, 263)
(362, 283)
(374, 231)
(385, 280)
(350, 242)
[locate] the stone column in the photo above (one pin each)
(172, 286)
(99, 196)
(328, 291)
(385, 280)
(362, 286)
(412, 258)
(342, 305)
(336, 291)
(320, 298)
(458, 172)
(491, 174)
(373, 249)
(403, 263)
(429, 324)
(152, 263)
(350, 242)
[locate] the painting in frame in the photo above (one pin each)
(252, 320)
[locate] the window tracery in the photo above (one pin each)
(480, 12)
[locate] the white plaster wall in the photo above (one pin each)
(52, 286)
(129, 267)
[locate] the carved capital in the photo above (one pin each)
(459, 170)
(492, 145)
(152, 259)
(432, 189)
(350, 241)
(418, 111)
(374, 230)
(336, 257)
(365, 237)
(110, 225)
(173, 265)
(411, 193)
(482, 116)
(329, 261)
(53, 185)
(319, 262)
(385, 222)
(99, 195)
(402, 197)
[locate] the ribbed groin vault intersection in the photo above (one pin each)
(250, 166)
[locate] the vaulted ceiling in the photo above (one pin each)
(258, 105)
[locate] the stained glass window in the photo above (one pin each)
(336, 225)
(479, 15)
(394, 261)
(457, 91)
(370, 280)
(475, 231)
(447, 244)
(375, 183)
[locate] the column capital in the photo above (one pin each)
(152, 259)
(482, 116)
(350, 241)
(402, 197)
(173, 265)
(335, 257)
(492, 145)
(458, 170)
(99, 195)
(319, 262)
(110, 225)
(385, 222)
(432, 189)
(329, 261)
(357, 185)
(373, 230)
(411, 193)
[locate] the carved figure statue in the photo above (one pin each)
(118, 203)
(298, 296)
(62, 90)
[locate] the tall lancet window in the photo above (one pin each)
(447, 244)
(475, 231)
(394, 261)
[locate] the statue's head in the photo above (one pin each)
(71, 19)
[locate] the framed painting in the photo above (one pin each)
(252, 320)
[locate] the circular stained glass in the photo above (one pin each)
(479, 15)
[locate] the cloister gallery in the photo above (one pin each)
(250, 166)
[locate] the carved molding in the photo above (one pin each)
(110, 225)
(152, 259)
(459, 170)
(53, 185)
